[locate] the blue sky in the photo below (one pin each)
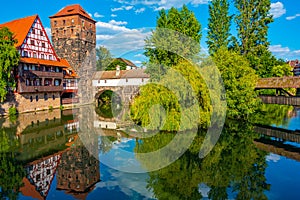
(122, 25)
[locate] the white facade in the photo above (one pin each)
(37, 44)
(120, 82)
(106, 125)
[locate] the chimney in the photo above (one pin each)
(118, 70)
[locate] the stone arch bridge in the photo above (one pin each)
(125, 83)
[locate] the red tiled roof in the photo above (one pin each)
(59, 63)
(20, 28)
(73, 74)
(75, 9)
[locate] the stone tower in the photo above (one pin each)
(73, 34)
(74, 38)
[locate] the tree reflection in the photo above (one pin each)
(235, 168)
(269, 114)
(11, 171)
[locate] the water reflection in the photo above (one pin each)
(234, 169)
(52, 155)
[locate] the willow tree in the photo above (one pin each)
(218, 25)
(9, 58)
(176, 37)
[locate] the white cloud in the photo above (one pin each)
(273, 157)
(113, 15)
(140, 10)
(292, 17)
(90, 14)
(114, 22)
(97, 15)
(284, 52)
(277, 9)
(118, 38)
(139, 55)
(166, 4)
(279, 49)
(122, 8)
(48, 31)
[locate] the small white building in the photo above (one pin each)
(119, 77)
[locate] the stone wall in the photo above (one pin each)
(37, 101)
(31, 102)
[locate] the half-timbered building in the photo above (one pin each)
(39, 75)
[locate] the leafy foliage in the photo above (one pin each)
(183, 99)
(104, 58)
(177, 37)
(239, 81)
(218, 25)
(114, 63)
(234, 163)
(9, 58)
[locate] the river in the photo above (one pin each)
(67, 155)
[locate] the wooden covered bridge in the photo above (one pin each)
(280, 84)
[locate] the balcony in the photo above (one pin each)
(43, 74)
(23, 88)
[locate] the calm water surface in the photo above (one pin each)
(60, 155)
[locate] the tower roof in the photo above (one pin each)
(20, 28)
(75, 9)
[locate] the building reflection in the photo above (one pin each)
(40, 174)
(78, 171)
(49, 144)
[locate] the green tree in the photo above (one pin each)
(253, 21)
(218, 25)
(239, 81)
(9, 58)
(177, 37)
(104, 58)
(113, 65)
(182, 93)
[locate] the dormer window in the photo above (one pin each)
(64, 22)
(82, 22)
(55, 23)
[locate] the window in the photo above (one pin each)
(33, 31)
(64, 32)
(25, 67)
(43, 44)
(48, 82)
(41, 32)
(56, 82)
(32, 42)
(55, 23)
(126, 80)
(34, 55)
(72, 31)
(64, 22)
(31, 99)
(25, 54)
(50, 57)
(42, 56)
(37, 97)
(53, 97)
(82, 22)
(46, 96)
(72, 21)
(28, 82)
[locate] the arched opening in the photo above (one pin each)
(109, 104)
